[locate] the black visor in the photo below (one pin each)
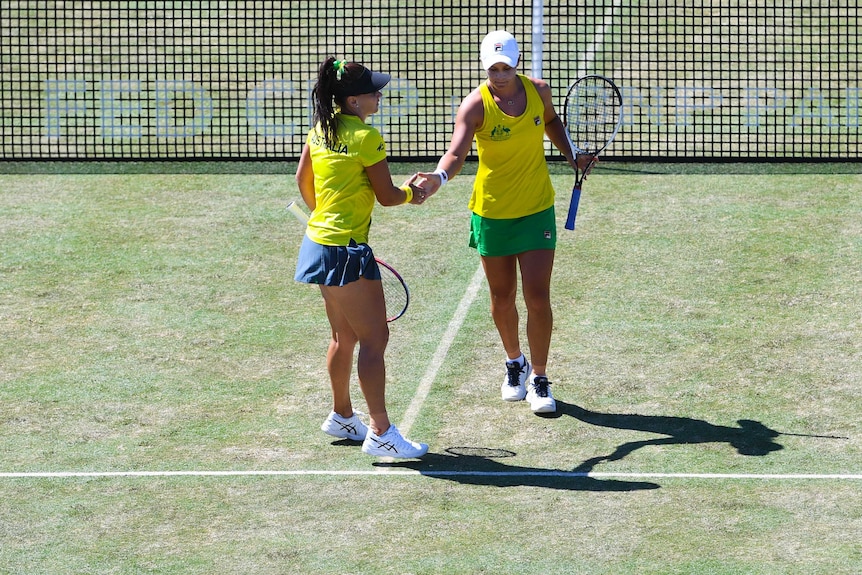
(368, 83)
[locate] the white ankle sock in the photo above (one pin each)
(522, 361)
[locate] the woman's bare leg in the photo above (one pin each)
(358, 310)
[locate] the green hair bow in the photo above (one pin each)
(339, 66)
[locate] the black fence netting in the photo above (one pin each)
(742, 80)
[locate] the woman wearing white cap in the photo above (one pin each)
(341, 172)
(513, 224)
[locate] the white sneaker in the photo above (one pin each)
(350, 428)
(513, 386)
(392, 444)
(539, 395)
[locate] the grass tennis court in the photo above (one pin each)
(707, 364)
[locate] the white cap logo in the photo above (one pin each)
(499, 46)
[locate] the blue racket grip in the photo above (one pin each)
(573, 208)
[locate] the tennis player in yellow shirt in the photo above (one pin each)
(341, 173)
(513, 224)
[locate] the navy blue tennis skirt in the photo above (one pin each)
(335, 265)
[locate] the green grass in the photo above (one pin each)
(150, 322)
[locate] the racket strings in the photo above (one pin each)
(592, 113)
(394, 292)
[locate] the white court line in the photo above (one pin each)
(442, 351)
(590, 53)
(436, 473)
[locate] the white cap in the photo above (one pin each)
(499, 46)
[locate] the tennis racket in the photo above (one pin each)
(593, 115)
(395, 289)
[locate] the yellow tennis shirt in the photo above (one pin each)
(512, 180)
(342, 190)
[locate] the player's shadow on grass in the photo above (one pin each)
(480, 466)
(750, 438)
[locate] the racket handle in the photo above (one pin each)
(294, 209)
(573, 208)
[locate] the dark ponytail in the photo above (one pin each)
(333, 83)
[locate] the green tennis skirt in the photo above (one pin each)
(514, 236)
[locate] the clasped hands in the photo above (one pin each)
(424, 185)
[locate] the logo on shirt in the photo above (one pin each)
(500, 133)
(537, 120)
